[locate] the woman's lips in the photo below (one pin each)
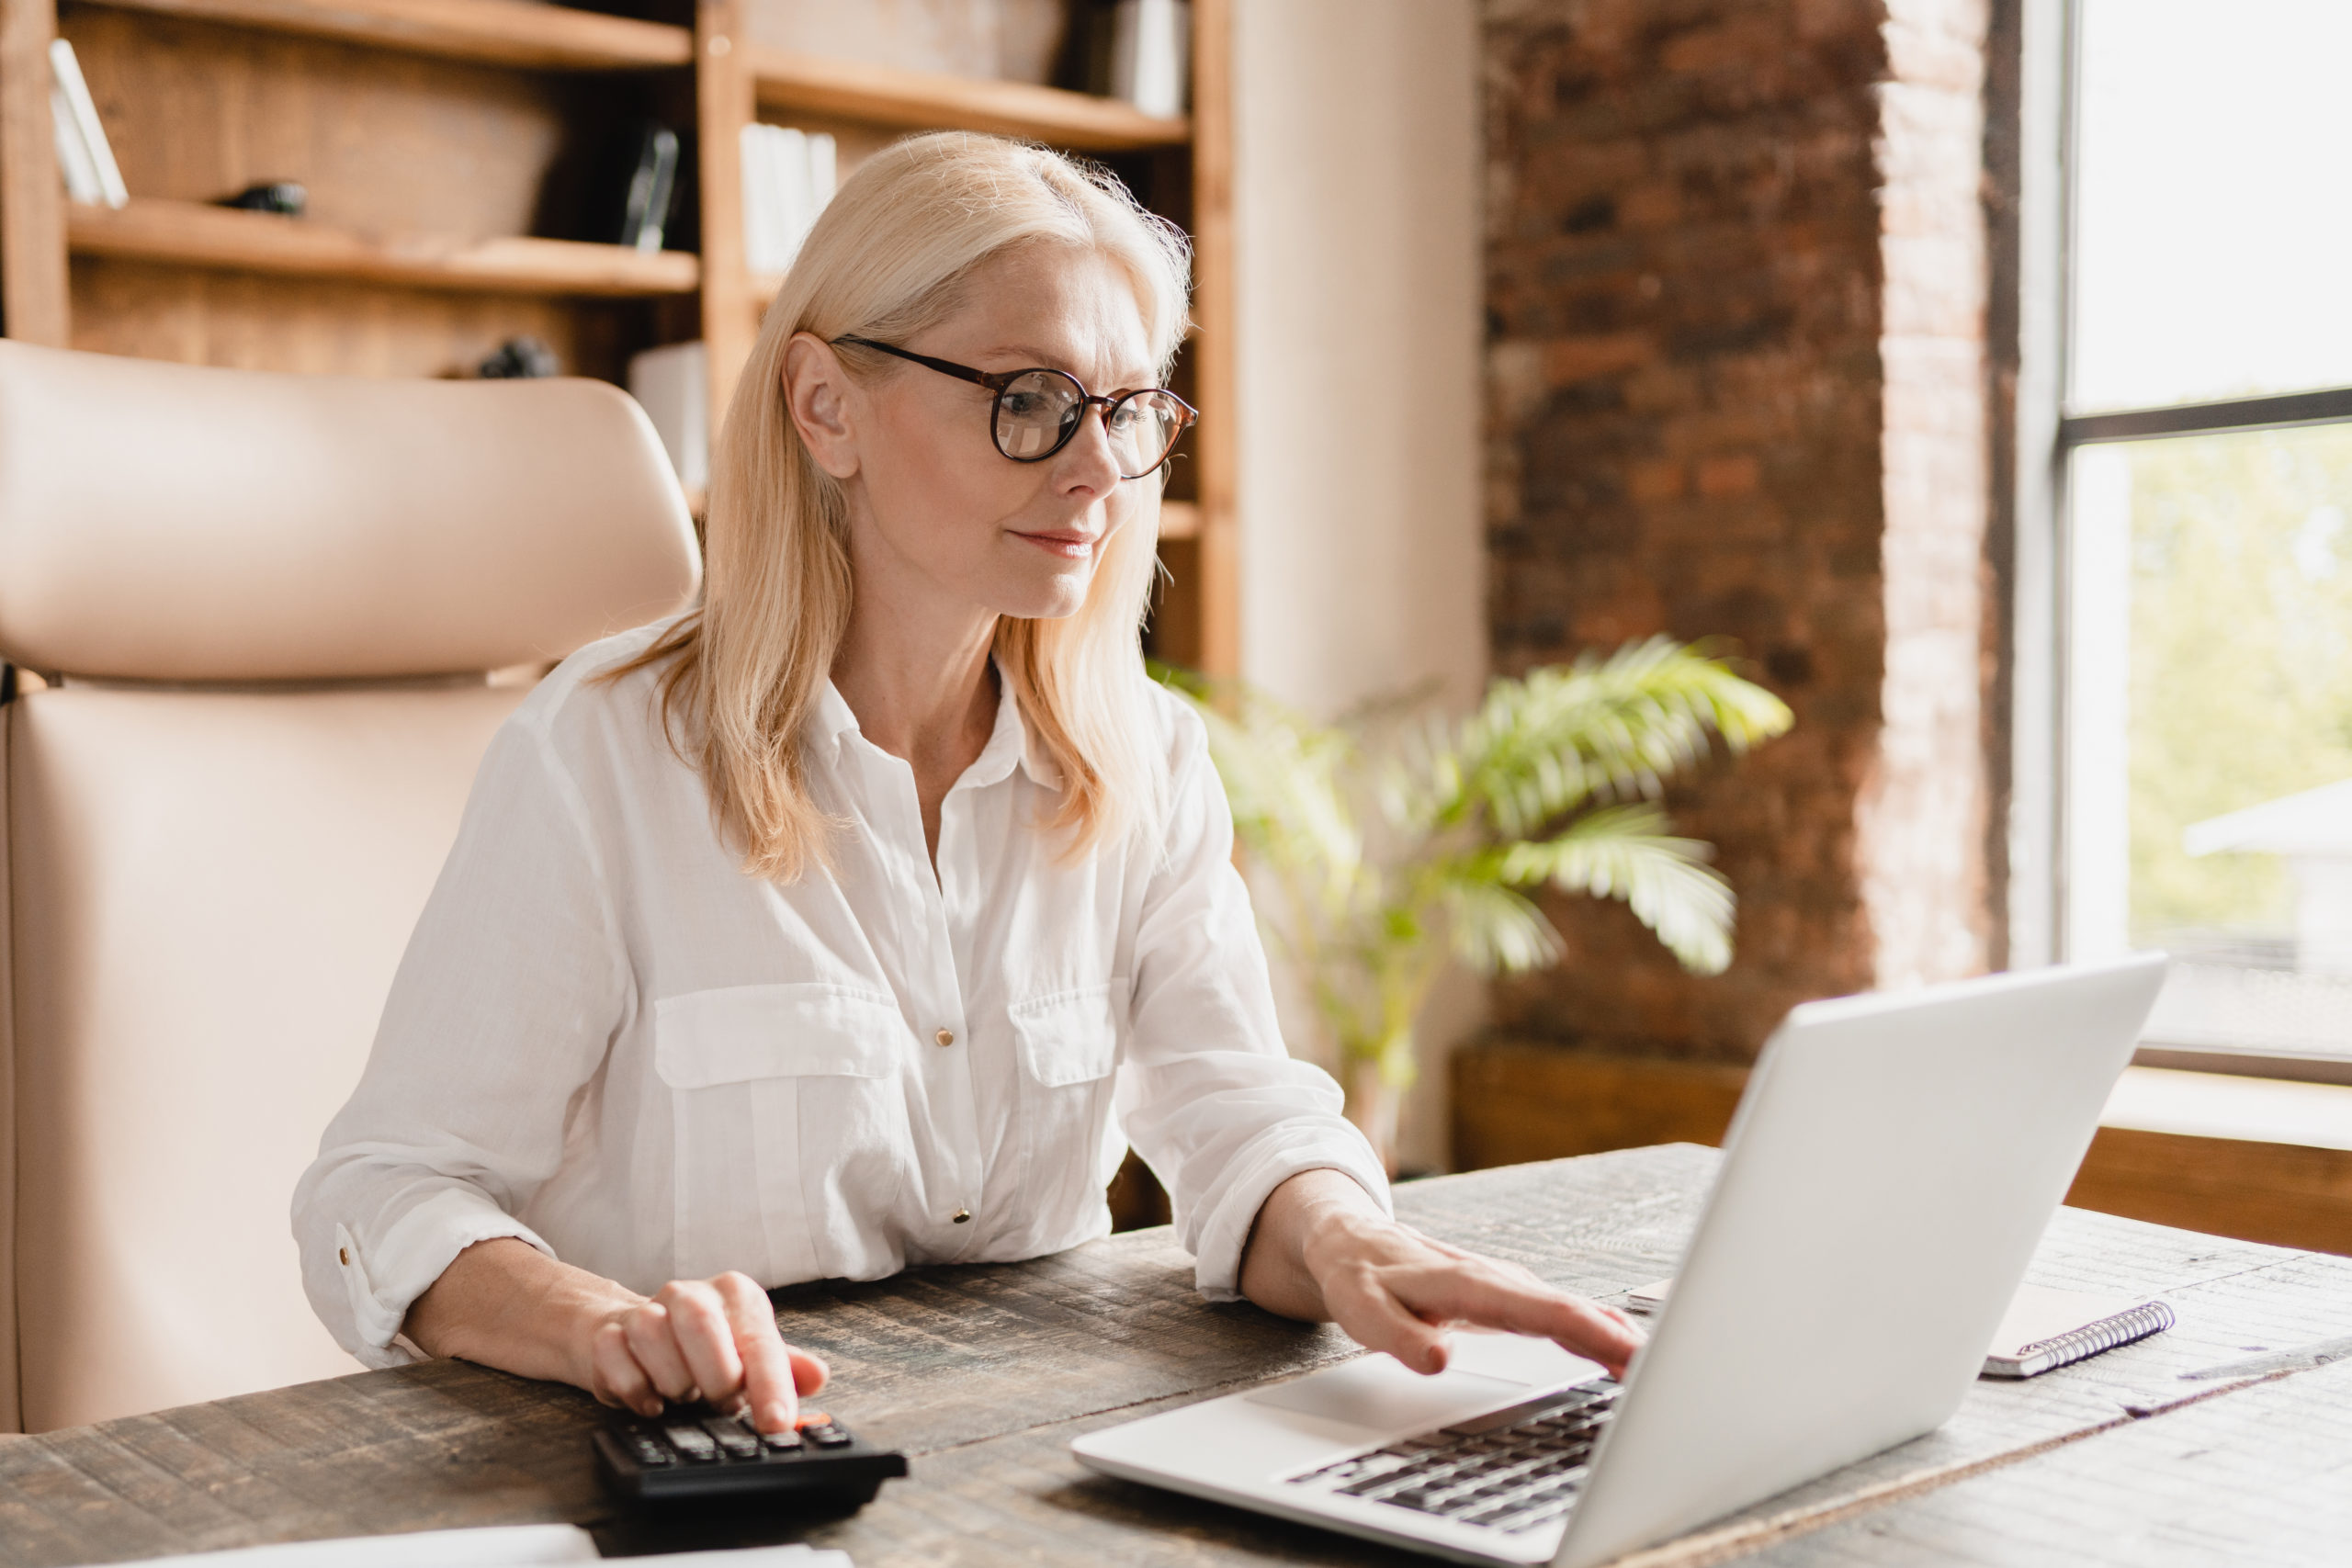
(1069, 547)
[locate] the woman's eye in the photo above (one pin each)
(1024, 405)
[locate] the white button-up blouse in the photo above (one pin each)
(606, 1040)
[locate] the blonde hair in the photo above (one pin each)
(889, 258)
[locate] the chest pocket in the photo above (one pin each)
(1069, 1037)
(1069, 1044)
(781, 1097)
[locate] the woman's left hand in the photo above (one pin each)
(1322, 1250)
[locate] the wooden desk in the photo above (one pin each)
(983, 1375)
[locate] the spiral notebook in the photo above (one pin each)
(2043, 1328)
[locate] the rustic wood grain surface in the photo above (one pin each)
(983, 1375)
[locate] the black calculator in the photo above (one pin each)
(693, 1453)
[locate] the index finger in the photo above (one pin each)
(1492, 1299)
(768, 1391)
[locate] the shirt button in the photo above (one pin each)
(945, 1037)
(342, 1256)
(963, 1214)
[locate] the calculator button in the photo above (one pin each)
(828, 1437)
(645, 1450)
(784, 1441)
(692, 1442)
(733, 1437)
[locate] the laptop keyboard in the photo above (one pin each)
(1509, 1469)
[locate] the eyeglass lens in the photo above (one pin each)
(1038, 413)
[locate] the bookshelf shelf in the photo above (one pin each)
(190, 234)
(886, 95)
(435, 136)
(490, 32)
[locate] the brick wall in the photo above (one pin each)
(1735, 302)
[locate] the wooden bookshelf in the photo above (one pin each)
(429, 134)
(189, 233)
(494, 32)
(922, 100)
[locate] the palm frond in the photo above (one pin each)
(1542, 745)
(1498, 930)
(1363, 915)
(1628, 852)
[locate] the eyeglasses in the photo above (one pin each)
(1038, 411)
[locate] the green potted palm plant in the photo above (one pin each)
(1392, 838)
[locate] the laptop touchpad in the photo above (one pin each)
(1382, 1391)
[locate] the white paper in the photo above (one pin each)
(793, 1556)
(507, 1546)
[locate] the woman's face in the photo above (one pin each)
(937, 515)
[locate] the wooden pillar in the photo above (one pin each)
(34, 303)
(1219, 570)
(724, 104)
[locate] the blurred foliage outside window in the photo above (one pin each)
(2241, 687)
(2207, 680)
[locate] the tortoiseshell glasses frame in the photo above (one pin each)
(1036, 412)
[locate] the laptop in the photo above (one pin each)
(1885, 1180)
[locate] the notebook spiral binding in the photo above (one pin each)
(2152, 1317)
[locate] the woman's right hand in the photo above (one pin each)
(503, 1302)
(714, 1340)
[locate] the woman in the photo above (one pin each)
(863, 916)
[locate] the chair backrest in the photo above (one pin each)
(266, 605)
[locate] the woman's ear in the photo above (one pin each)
(821, 400)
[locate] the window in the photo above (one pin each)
(2205, 770)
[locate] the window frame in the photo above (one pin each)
(2047, 436)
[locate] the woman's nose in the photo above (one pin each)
(1091, 449)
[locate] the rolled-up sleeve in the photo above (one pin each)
(1207, 1094)
(503, 1008)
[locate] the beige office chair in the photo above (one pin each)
(266, 605)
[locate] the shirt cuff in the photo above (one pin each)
(385, 1282)
(1264, 1164)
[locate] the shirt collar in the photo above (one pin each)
(1010, 743)
(831, 720)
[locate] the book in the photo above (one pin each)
(2043, 1328)
(793, 193)
(1150, 42)
(789, 177)
(84, 155)
(762, 222)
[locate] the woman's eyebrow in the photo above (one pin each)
(1023, 356)
(1030, 357)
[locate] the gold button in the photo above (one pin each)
(963, 1214)
(945, 1037)
(342, 1256)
